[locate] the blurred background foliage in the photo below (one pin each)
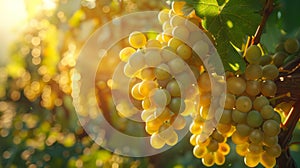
(38, 123)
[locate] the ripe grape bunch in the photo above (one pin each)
(167, 77)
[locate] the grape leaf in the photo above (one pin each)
(205, 8)
(235, 20)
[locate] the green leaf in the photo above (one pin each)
(236, 20)
(205, 8)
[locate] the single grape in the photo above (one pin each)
(267, 112)
(224, 148)
(153, 44)
(256, 136)
(163, 16)
(201, 48)
(146, 103)
(259, 102)
(199, 151)
(173, 88)
(219, 158)
(160, 97)
(165, 131)
(184, 51)
(267, 160)
(252, 159)
(204, 82)
(177, 7)
(270, 140)
(174, 43)
(236, 85)
(125, 53)
(181, 32)
(137, 60)
(265, 60)
(238, 139)
(135, 93)
(218, 137)
(291, 45)
(178, 122)
(195, 128)
(242, 148)
(208, 159)
(168, 53)
(213, 146)
(137, 39)
(177, 65)
(253, 72)
(243, 130)
(229, 101)
(277, 117)
(274, 151)
(226, 117)
(254, 119)
(255, 148)
(162, 72)
(162, 114)
(243, 104)
(253, 87)
(129, 71)
(173, 139)
(177, 20)
(146, 87)
(205, 99)
(193, 141)
(253, 54)
(146, 113)
(147, 73)
(239, 117)
(166, 26)
(156, 141)
(270, 72)
(271, 128)
(177, 105)
(268, 88)
(224, 128)
(278, 58)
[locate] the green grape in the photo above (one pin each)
(236, 85)
(229, 101)
(205, 99)
(163, 16)
(177, 65)
(152, 58)
(160, 97)
(213, 146)
(137, 39)
(267, 112)
(278, 58)
(161, 72)
(254, 119)
(239, 117)
(125, 53)
(224, 128)
(195, 71)
(255, 148)
(147, 73)
(238, 139)
(253, 87)
(135, 93)
(267, 160)
(274, 151)
(181, 32)
(259, 102)
(156, 141)
(184, 51)
(243, 130)
(153, 44)
(177, 105)
(218, 137)
(271, 128)
(289, 59)
(253, 54)
(201, 47)
(291, 45)
(277, 117)
(270, 140)
(265, 60)
(173, 139)
(242, 148)
(253, 72)
(268, 88)
(137, 60)
(219, 158)
(252, 159)
(199, 151)
(146, 87)
(174, 43)
(173, 88)
(224, 148)
(256, 136)
(243, 104)
(204, 82)
(208, 159)
(178, 122)
(226, 117)
(270, 72)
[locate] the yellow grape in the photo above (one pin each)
(253, 72)
(165, 131)
(177, 65)
(252, 159)
(168, 53)
(137, 60)
(224, 128)
(213, 146)
(206, 113)
(166, 26)
(173, 88)
(243, 104)
(224, 148)
(218, 137)
(173, 139)
(219, 158)
(163, 16)
(177, 20)
(204, 82)
(195, 128)
(181, 32)
(201, 141)
(274, 151)
(174, 43)
(193, 140)
(162, 114)
(226, 117)
(177, 7)
(242, 148)
(255, 148)
(199, 151)
(238, 139)
(205, 99)
(147, 73)
(153, 58)
(135, 93)
(156, 141)
(239, 117)
(253, 87)
(178, 122)
(125, 53)
(208, 159)
(265, 60)
(129, 71)
(243, 130)
(267, 160)
(146, 87)
(184, 51)
(229, 101)
(254, 119)
(253, 54)
(137, 39)
(153, 44)
(146, 113)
